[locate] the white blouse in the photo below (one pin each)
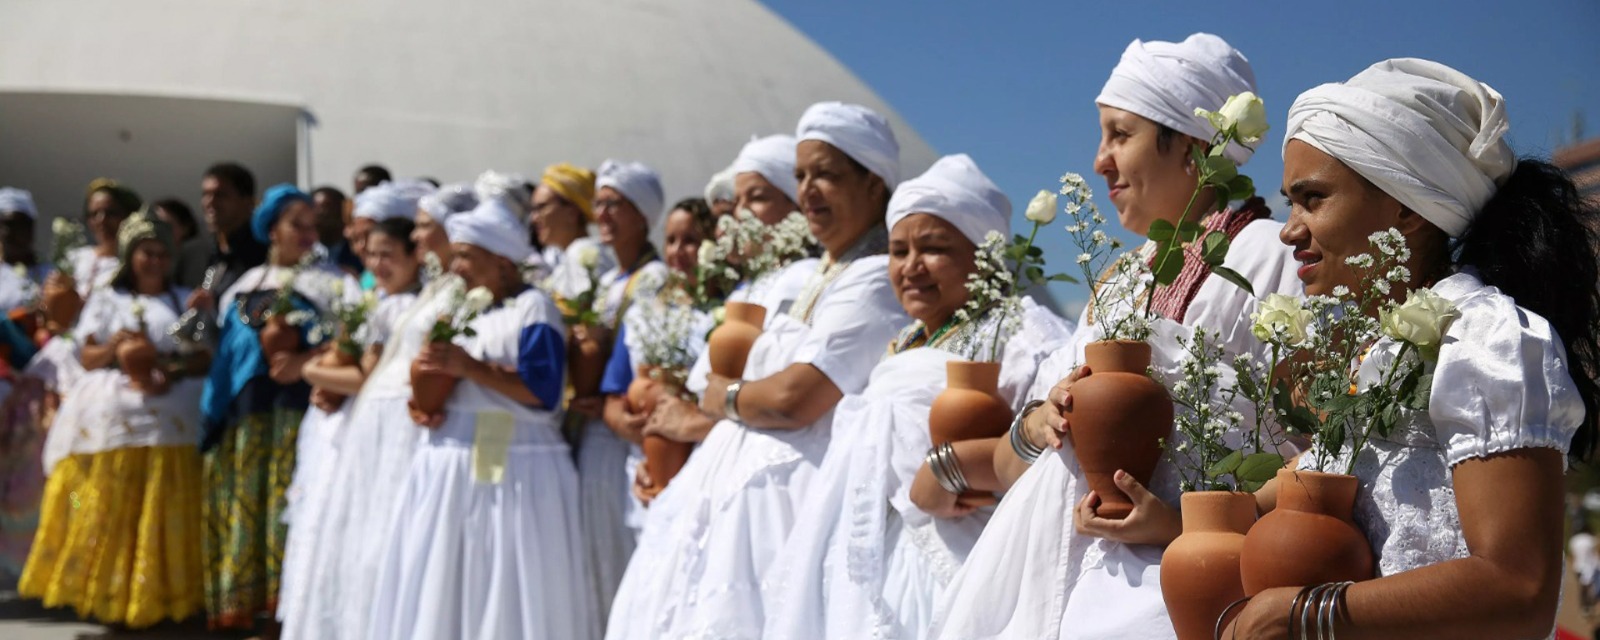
(774, 291)
(1501, 383)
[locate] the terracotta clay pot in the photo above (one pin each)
(336, 357)
(1309, 538)
(663, 458)
(587, 366)
(61, 304)
(278, 337)
(429, 390)
(730, 343)
(1200, 569)
(1120, 418)
(970, 407)
(137, 359)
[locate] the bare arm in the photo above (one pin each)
(790, 399)
(99, 356)
(450, 359)
(344, 380)
(622, 420)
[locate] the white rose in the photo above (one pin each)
(1247, 115)
(1422, 320)
(1042, 209)
(589, 256)
(477, 300)
(1280, 316)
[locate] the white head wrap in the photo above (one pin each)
(14, 199)
(494, 227)
(1423, 132)
(859, 132)
(955, 190)
(638, 183)
(1166, 81)
(391, 200)
(448, 200)
(509, 188)
(773, 158)
(721, 186)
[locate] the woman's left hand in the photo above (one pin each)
(1265, 616)
(933, 500)
(1151, 521)
(447, 358)
(711, 402)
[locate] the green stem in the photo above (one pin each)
(1174, 247)
(1016, 281)
(1366, 429)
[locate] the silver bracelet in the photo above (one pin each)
(730, 401)
(947, 469)
(1329, 617)
(1024, 448)
(1311, 600)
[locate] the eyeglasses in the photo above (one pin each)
(605, 204)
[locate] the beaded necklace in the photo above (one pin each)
(873, 243)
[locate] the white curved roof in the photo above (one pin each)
(433, 88)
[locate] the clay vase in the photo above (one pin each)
(1309, 538)
(137, 359)
(1120, 418)
(278, 337)
(970, 407)
(61, 304)
(588, 363)
(429, 390)
(1200, 569)
(663, 458)
(336, 357)
(730, 343)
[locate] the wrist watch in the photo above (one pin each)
(730, 402)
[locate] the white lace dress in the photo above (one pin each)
(1501, 383)
(868, 563)
(347, 493)
(478, 554)
(1030, 576)
(736, 499)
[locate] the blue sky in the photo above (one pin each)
(1013, 83)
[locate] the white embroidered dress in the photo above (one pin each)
(736, 499)
(1030, 576)
(466, 559)
(868, 563)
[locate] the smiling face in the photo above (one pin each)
(478, 267)
(619, 221)
(840, 199)
(556, 220)
(393, 266)
(681, 246)
(929, 261)
(150, 262)
(1333, 211)
(766, 201)
(105, 216)
(295, 233)
(1147, 177)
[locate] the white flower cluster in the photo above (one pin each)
(1204, 395)
(746, 248)
(991, 281)
(665, 337)
(69, 235)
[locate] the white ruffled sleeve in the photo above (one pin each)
(1502, 381)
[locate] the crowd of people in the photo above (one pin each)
(427, 411)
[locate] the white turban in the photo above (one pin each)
(14, 199)
(1166, 81)
(638, 183)
(955, 190)
(494, 227)
(721, 186)
(509, 188)
(391, 200)
(448, 200)
(859, 132)
(1423, 132)
(773, 158)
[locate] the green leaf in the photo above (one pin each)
(1168, 265)
(1235, 277)
(1241, 187)
(1214, 248)
(1035, 251)
(1160, 231)
(1259, 467)
(1189, 230)
(1218, 170)
(1228, 464)
(1034, 274)
(1062, 277)
(1249, 486)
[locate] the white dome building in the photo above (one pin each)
(151, 93)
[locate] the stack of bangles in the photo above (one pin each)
(1020, 444)
(947, 469)
(1314, 611)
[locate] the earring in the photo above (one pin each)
(1188, 167)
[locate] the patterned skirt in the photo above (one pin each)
(22, 414)
(247, 479)
(119, 536)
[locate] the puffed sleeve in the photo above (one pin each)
(1501, 382)
(619, 369)
(541, 349)
(852, 324)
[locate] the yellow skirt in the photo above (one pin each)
(119, 537)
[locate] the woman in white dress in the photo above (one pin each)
(486, 541)
(1462, 503)
(628, 203)
(432, 211)
(563, 209)
(346, 502)
(1035, 573)
(120, 538)
(869, 563)
(740, 491)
